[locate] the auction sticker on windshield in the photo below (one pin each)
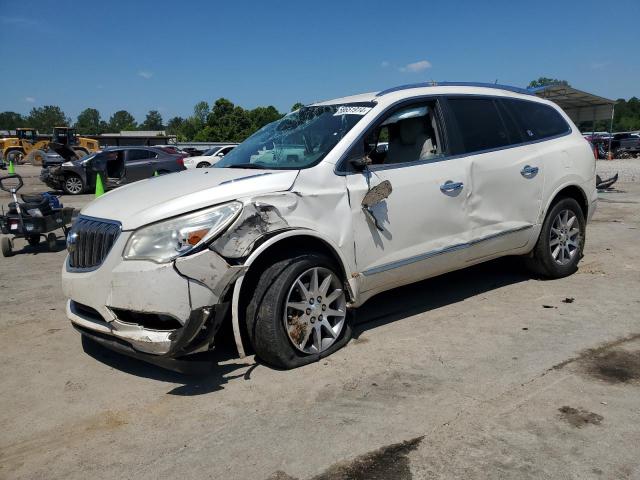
(351, 110)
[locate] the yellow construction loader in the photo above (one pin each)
(26, 148)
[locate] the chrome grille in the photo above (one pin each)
(90, 241)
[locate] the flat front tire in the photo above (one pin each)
(297, 313)
(560, 245)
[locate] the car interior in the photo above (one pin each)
(115, 164)
(408, 135)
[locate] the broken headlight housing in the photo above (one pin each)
(164, 241)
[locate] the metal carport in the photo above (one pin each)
(580, 106)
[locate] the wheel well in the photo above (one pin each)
(293, 245)
(284, 248)
(575, 192)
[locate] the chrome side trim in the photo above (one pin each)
(441, 251)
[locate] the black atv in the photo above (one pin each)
(34, 218)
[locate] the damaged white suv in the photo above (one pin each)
(319, 211)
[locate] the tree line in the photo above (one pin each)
(220, 122)
(225, 122)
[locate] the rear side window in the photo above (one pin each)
(536, 120)
(138, 155)
(480, 125)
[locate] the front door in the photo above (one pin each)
(420, 229)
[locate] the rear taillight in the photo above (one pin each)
(181, 161)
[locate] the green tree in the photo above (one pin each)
(175, 126)
(200, 113)
(543, 81)
(11, 120)
(88, 122)
(153, 121)
(121, 120)
(297, 106)
(45, 118)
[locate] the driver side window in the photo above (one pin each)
(408, 134)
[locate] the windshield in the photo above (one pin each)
(299, 140)
(211, 151)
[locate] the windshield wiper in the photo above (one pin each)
(246, 165)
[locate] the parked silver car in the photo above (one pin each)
(319, 211)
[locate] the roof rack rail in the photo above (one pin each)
(456, 84)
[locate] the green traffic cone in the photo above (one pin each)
(155, 173)
(12, 170)
(99, 186)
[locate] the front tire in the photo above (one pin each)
(297, 313)
(52, 241)
(202, 165)
(73, 185)
(560, 245)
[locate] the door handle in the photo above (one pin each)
(449, 186)
(528, 171)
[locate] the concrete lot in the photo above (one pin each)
(484, 373)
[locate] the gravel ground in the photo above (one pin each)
(628, 170)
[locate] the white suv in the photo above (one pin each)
(321, 210)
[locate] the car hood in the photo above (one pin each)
(166, 196)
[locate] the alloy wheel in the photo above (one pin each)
(74, 185)
(564, 237)
(315, 310)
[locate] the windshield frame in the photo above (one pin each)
(369, 105)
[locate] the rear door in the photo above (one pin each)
(138, 164)
(506, 175)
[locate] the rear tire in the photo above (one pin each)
(52, 241)
(36, 157)
(560, 245)
(289, 337)
(73, 185)
(15, 156)
(6, 247)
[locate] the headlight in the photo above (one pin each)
(164, 241)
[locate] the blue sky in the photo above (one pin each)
(143, 55)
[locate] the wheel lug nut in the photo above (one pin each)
(311, 301)
(324, 307)
(313, 319)
(308, 311)
(319, 299)
(319, 318)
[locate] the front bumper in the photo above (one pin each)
(52, 177)
(187, 293)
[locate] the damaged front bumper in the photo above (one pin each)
(52, 177)
(146, 308)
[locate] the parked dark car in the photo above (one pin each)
(625, 145)
(117, 166)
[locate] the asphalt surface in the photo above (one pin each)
(483, 373)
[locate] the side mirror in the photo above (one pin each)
(360, 163)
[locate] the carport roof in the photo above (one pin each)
(580, 106)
